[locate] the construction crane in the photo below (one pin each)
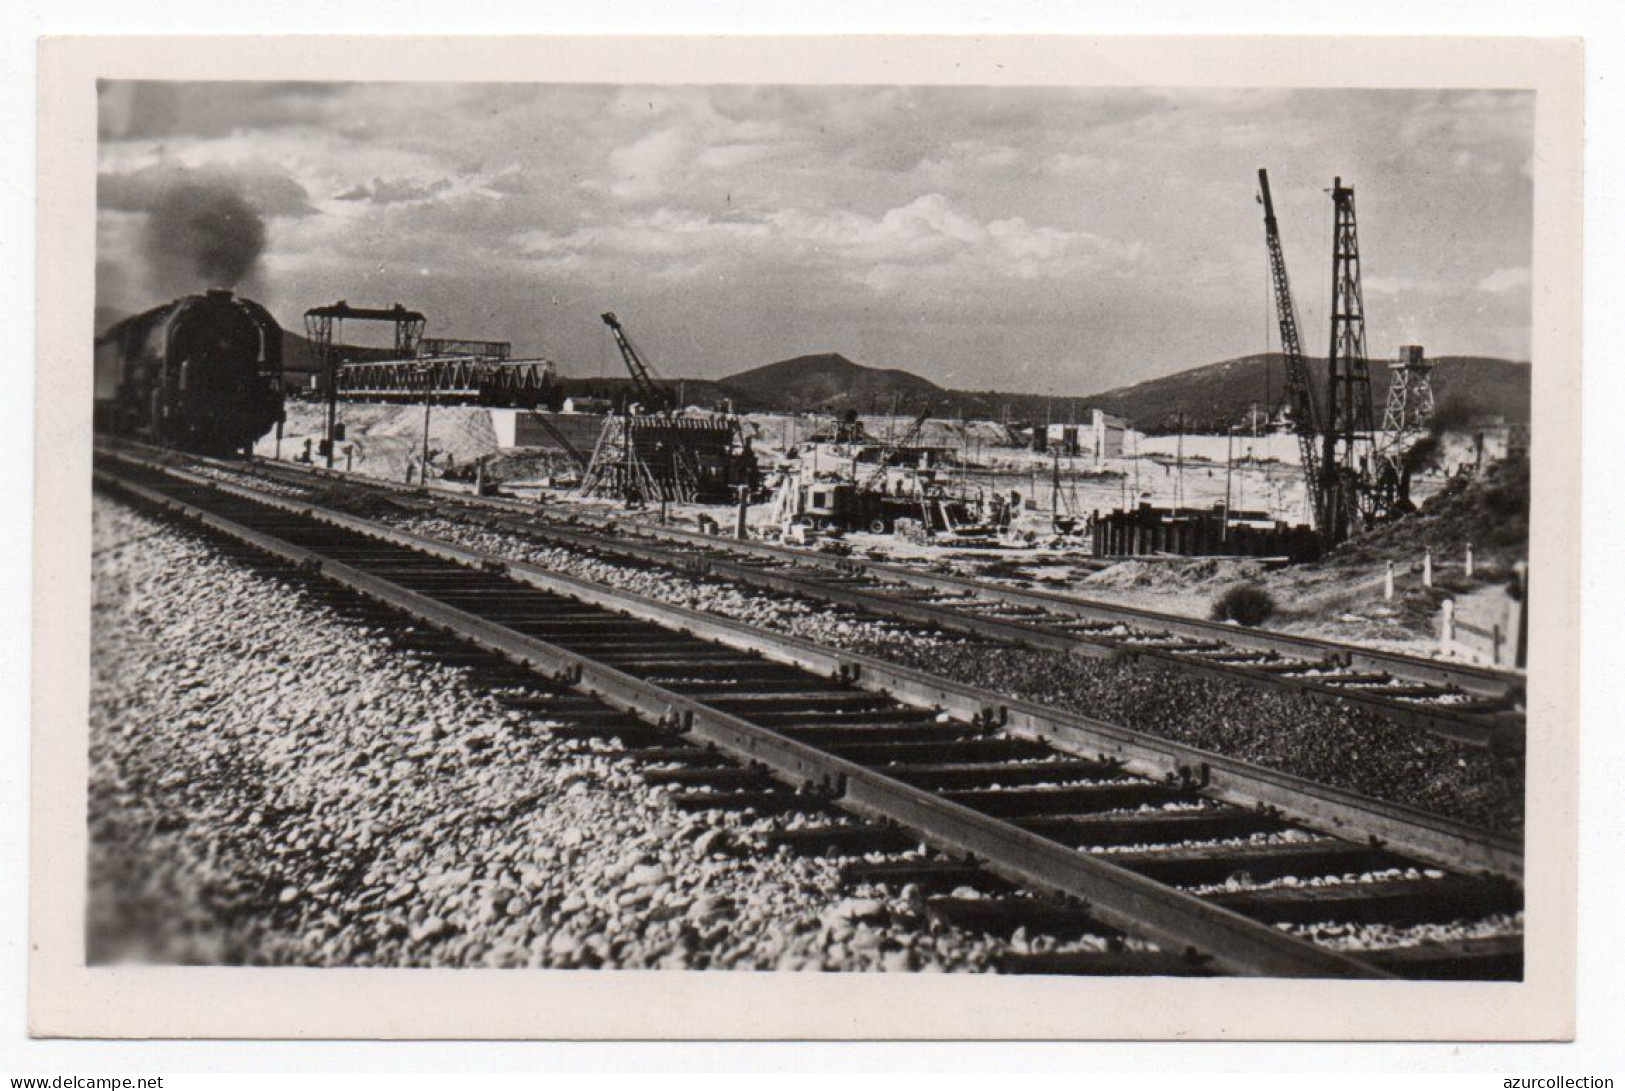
(645, 387)
(874, 480)
(649, 457)
(1300, 392)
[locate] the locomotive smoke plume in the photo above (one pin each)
(204, 235)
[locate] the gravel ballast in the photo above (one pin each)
(1296, 733)
(290, 787)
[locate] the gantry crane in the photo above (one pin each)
(1300, 392)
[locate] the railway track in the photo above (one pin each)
(1226, 867)
(1460, 702)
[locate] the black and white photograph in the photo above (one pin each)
(738, 529)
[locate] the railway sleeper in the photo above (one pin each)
(965, 775)
(723, 660)
(617, 651)
(928, 875)
(567, 632)
(628, 731)
(1195, 866)
(1147, 827)
(1004, 916)
(1494, 958)
(786, 719)
(766, 802)
(758, 682)
(1015, 802)
(1131, 963)
(1339, 681)
(944, 751)
(718, 671)
(748, 704)
(689, 756)
(850, 733)
(1398, 902)
(842, 840)
(539, 618)
(713, 777)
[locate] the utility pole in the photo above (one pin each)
(423, 467)
(1136, 471)
(741, 531)
(330, 366)
(1055, 490)
(1179, 465)
(1229, 463)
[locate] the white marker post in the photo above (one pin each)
(1427, 568)
(1388, 584)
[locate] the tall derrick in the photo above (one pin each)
(1350, 502)
(1406, 419)
(1300, 392)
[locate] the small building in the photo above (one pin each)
(1063, 439)
(1101, 437)
(1492, 437)
(1106, 433)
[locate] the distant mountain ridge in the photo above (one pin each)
(1215, 395)
(1210, 397)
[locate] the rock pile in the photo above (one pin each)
(1319, 740)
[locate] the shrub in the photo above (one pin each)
(1246, 603)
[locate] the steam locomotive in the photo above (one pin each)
(202, 374)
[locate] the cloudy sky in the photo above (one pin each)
(1018, 239)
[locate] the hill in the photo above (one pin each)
(829, 381)
(1216, 395)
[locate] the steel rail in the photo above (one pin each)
(1429, 837)
(1114, 895)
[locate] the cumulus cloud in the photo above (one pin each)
(512, 181)
(1396, 286)
(389, 191)
(925, 239)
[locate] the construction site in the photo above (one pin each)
(1347, 444)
